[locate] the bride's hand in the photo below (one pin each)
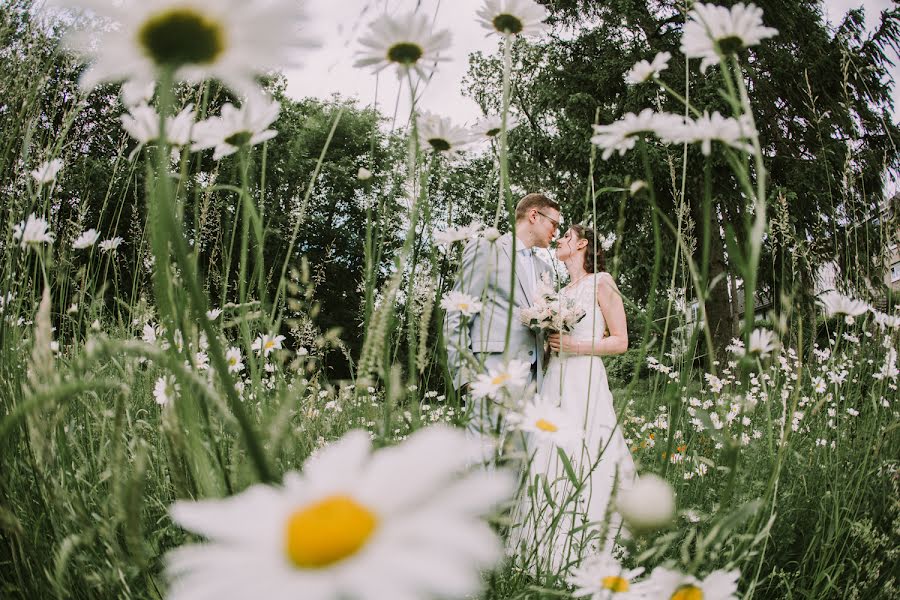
(556, 341)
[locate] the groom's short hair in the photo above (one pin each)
(535, 200)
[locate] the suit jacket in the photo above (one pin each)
(486, 274)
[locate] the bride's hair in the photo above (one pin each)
(594, 259)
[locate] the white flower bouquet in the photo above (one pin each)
(552, 312)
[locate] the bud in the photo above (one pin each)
(363, 174)
(648, 505)
(491, 234)
(637, 186)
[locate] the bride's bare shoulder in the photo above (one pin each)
(605, 283)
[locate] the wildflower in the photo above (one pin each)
(86, 239)
(213, 314)
(166, 390)
(463, 303)
(622, 135)
(353, 524)
(885, 320)
(47, 171)
(715, 31)
(601, 577)
(201, 360)
(674, 585)
(364, 174)
(708, 129)
(762, 342)
(490, 127)
(233, 358)
(643, 70)
(889, 369)
(512, 376)
(405, 42)
(636, 186)
(32, 231)
(142, 123)
(452, 235)
(441, 135)
(235, 128)
(491, 234)
(135, 92)
(715, 384)
(547, 423)
(266, 343)
(852, 412)
(110, 244)
(513, 17)
(232, 40)
(649, 504)
(836, 303)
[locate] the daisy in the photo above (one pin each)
(707, 129)
(643, 70)
(451, 235)
(237, 127)
(400, 522)
(47, 171)
(441, 135)
(513, 17)
(491, 234)
(406, 42)
(762, 342)
(464, 303)
(885, 320)
(142, 123)
(547, 423)
(213, 314)
(86, 239)
(715, 31)
(267, 343)
(229, 40)
(836, 303)
(622, 135)
(489, 127)
(889, 369)
(135, 92)
(601, 577)
(233, 358)
(674, 585)
(647, 505)
(110, 244)
(166, 390)
(364, 174)
(512, 377)
(32, 231)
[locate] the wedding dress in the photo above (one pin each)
(558, 523)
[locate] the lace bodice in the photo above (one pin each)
(584, 291)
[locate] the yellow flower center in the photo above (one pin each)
(507, 23)
(405, 53)
(731, 44)
(181, 36)
(615, 584)
(545, 425)
(239, 139)
(328, 531)
(439, 144)
(463, 306)
(500, 379)
(688, 592)
(270, 344)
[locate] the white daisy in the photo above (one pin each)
(166, 390)
(266, 343)
(489, 127)
(400, 522)
(643, 70)
(511, 377)
(836, 303)
(601, 577)
(86, 239)
(233, 358)
(237, 127)
(674, 585)
(547, 423)
(889, 369)
(440, 135)
(451, 235)
(135, 92)
(32, 231)
(364, 174)
(142, 123)
(715, 31)
(491, 234)
(47, 171)
(762, 342)
(885, 320)
(707, 129)
(406, 42)
(647, 505)
(458, 301)
(110, 244)
(213, 314)
(622, 135)
(229, 40)
(513, 17)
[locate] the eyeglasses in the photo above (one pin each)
(551, 219)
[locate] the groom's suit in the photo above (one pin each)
(486, 274)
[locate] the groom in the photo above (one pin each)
(486, 274)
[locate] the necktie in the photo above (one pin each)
(525, 270)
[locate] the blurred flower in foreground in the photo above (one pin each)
(491, 234)
(458, 301)
(166, 390)
(601, 577)
(451, 235)
(364, 174)
(513, 17)
(643, 70)
(229, 40)
(673, 585)
(762, 342)
(32, 232)
(266, 343)
(142, 123)
(135, 92)
(441, 135)
(489, 127)
(512, 377)
(649, 504)
(47, 171)
(86, 239)
(400, 522)
(406, 42)
(110, 244)
(547, 423)
(713, 30)
(836, 303)
(237, 127)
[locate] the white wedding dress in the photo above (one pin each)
(556, 523)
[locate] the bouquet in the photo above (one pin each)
(552, 312)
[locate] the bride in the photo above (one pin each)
(561, 520)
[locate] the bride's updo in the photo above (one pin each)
(594, 259)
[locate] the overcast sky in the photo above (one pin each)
(338, 23)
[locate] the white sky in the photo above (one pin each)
(339, 23)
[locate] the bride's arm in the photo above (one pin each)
(609, 299)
